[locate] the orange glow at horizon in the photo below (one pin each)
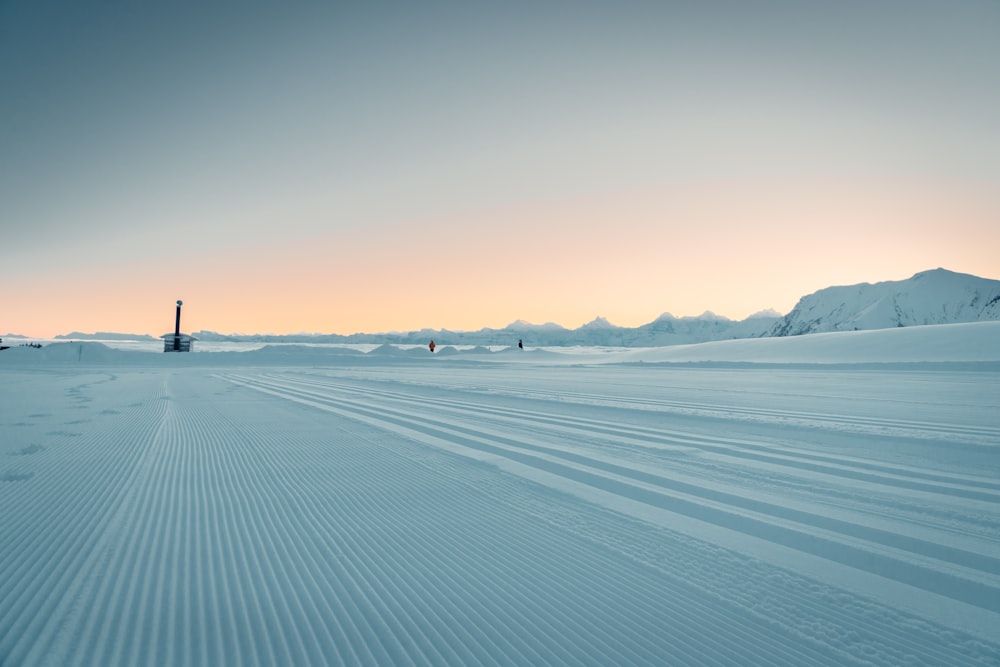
(732, 248)
(339, 169)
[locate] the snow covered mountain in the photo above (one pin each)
(670, 330)
(930, 297)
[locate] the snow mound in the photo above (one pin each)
(388, 350)
(66, 352)
(969, 342)
(279, 351)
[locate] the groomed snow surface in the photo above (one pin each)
(312, 507)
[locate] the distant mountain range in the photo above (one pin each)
(665, 330)
(104, 335)
(99, 336)
(930, 297)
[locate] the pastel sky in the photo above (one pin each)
(365, 167)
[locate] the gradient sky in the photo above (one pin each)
(321, 167)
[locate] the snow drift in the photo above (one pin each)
(963, 343)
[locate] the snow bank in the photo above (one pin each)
(970, 342)
(961, 343)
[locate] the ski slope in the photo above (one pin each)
(178, 510)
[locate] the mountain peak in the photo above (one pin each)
(709, 316)
(943, 274)
(598, 323)
(522, 325)
(767, 313)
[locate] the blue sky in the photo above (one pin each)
(395, 166)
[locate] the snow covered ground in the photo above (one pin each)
(829, 499)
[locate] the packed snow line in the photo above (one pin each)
(909, 427)
(199, 522)
(742, 448)
(693, 632)
(192, 488)
(971, 594)
(940, 545)
(691, 500)
(662, 438)
(57, 537)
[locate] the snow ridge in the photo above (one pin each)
(929, 297)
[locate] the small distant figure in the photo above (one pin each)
(520, 345)
(432, 346)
